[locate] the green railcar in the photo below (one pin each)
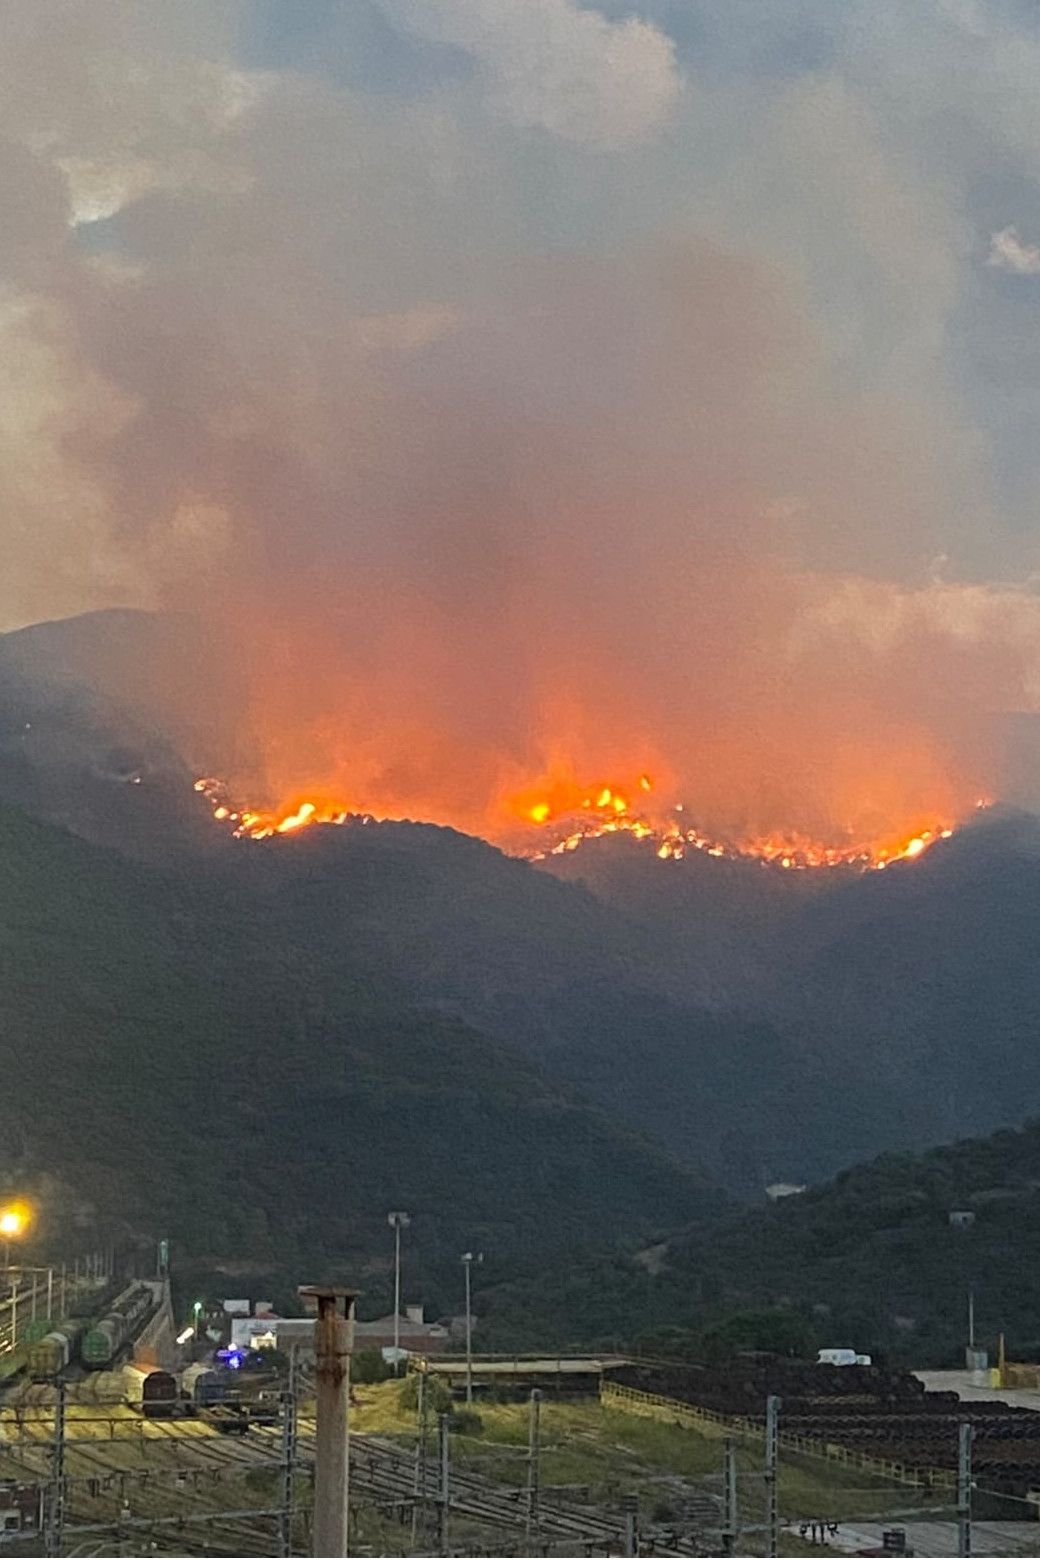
(101, 1342)
(104, 1339)
(49, 1355)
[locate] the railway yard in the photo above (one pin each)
(104, 1453)
(136, 1485)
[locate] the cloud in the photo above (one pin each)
(1009, 253)
(558, 66)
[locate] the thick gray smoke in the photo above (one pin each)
(536, 393)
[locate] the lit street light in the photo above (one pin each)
(468, 1259)
(196, 1313)
(14, 1221)
(397, 1222)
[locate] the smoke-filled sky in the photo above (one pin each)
(542, 391)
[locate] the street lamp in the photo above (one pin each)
(14, 1221)
(196, 1311)
(398, 1222)
(468, 1258)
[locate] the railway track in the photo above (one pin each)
(385, 1472)
(149, 1466)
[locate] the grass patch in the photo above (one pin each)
(611, 1452)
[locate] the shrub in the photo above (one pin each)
(368, 1366)
(438, 1397)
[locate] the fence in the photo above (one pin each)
(665, 1408)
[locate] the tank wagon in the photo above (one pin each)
(102, 1342)
(202, 1386)
(38, 1328)
(87, 1300)
(103, 1386)
(49, 1355)
(154, 1392)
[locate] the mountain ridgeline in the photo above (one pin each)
(260, 1047)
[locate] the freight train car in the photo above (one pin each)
(202, 1386)
(102, 1342)
(49, 1355)
(89, 1299)
(154, 1392)
(102, 1386)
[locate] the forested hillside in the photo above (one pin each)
(768, 1025)
(191, 1070)
(871, 1260)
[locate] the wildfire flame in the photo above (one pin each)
(562, 817)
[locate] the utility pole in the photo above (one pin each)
(333, 1342)
(419, 1482)
(443, 1423)
(56, 1505)
(285, 1515)
(630, 1512)
(532, 1525)
(14, 1309)
(468, 1259)
(398, 1222)
(730, 1520)
(772, 1469)
(971, 1319)
(50, 1294)
(964, 1439)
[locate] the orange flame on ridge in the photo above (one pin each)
(571, 815)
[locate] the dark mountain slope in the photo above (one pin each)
(546, 968)
(875, 1253)
(87, 742)
(929, 976)
(553, 974)
(870, 1261)
(165, 1052)
(774, 1025)
(907, 1000)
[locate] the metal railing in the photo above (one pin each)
(658, 1407)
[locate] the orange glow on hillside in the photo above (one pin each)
(562, 816)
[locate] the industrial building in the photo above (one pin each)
(414, 1334)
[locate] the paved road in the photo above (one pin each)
(939, 1539)
(971, 1388)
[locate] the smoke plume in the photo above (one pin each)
(530, 406)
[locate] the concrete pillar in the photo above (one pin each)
(333, 1343)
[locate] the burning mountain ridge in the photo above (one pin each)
(561, 819)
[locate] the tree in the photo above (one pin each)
(776, 1330)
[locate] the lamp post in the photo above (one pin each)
(398, 1221)
(196, 1312)
(13, 1222)
(468, 1259)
